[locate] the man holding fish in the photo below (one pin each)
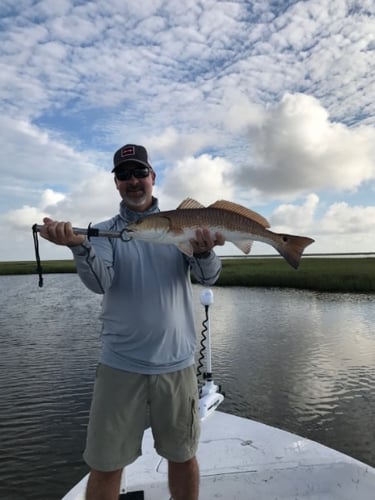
(146, 368)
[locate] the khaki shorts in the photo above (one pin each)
(125, 403)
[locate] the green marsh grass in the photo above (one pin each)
(29, 267)
(341, 274)
(324, 273)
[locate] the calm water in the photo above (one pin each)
(302, 361)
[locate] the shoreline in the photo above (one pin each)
(328, 274)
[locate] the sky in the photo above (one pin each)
(268, 103)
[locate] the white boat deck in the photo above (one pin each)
(241, 459)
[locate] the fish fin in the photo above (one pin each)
(186, 248)
(291, 248)
(241, 210)
(244, 246)
(190, 203)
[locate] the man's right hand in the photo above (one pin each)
(60, 233)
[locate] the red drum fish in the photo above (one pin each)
(238, 224)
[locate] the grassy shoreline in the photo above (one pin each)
(341, 274)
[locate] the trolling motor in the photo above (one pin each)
(209, 394)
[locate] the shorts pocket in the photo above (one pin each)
(194, 420)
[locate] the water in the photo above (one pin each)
(299, 360)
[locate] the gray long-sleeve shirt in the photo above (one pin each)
(147, 311)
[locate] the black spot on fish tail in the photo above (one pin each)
(291, 248)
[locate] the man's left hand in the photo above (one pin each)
(204, 242)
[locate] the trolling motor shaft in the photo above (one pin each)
(210, 395)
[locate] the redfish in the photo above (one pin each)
(239, 225)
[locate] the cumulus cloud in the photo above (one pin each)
(24, 217)
(202, 178)
(342, 218)
(300, 217)
(170, 141)
(92, 200)
(296, 148)
(35, 159)
(261, 103)
(50, 198)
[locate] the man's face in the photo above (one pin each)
(135, 184)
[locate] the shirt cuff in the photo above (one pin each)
(82, 249)
(203, 255)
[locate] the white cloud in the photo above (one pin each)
(24, 217)
(92, 200)
(34, 159)
(238, 113)
(50, 198)
(171, 144)
(296, 217)
(27, 216)
(297, 148)
(255, 102)
(340, 218)
(201, 178)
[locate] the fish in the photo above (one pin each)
(238, 224)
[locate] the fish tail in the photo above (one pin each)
(291, 247)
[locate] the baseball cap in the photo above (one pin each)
(130, 153)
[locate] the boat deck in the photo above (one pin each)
(241, 459)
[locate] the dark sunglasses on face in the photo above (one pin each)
(138, 172)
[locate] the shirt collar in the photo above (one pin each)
(131, 215)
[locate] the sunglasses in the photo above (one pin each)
(138, 172)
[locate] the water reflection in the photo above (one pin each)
(299, 360)
(303, 361)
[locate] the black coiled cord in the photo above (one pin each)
(203, 348)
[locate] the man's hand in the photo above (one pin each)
(204, 242)
(60, 233)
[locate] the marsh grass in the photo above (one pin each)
(342, 274)
(29, 267)
(325, 274)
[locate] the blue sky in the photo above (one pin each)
(266, 103)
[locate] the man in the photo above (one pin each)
(146, 367)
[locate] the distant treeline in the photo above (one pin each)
(339, 274)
